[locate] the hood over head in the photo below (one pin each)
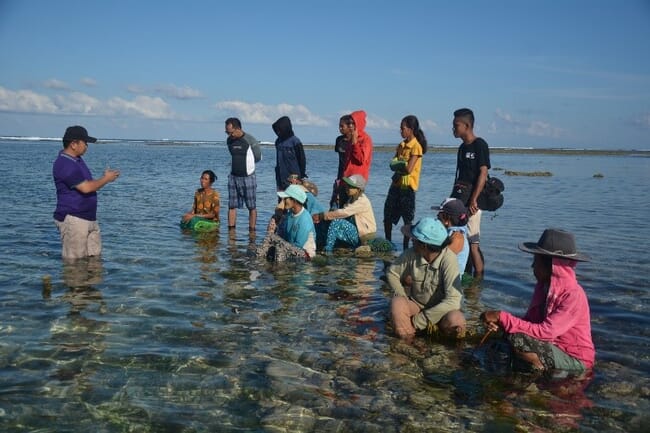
(282, 128)
(359, 120)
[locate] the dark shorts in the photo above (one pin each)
(400, 203)
(242, 190)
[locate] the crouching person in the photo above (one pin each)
(354, 224)
(426, 284)
(555, 332)
(298, 240)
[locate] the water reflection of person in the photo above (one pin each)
(561, 400)
(79, 338)
(358, 303)
(364, 315)
(555, 332)
(569, 399)
(80, 276)
(206, 252)
(239, 257)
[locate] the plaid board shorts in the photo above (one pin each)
(400, 203)
(242, 189)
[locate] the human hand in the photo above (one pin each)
(472, 207)
(459, 331)
(111, 174)
(272, 226)
(491, 320)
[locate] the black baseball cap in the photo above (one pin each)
(78, 133)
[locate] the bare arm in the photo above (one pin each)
(457, 242)
(93, 185)
(411, 164)
(394, 278)
(478, 187)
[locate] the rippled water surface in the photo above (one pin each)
(174, 332)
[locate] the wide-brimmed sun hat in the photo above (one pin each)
(428, 231)
(295, 192)
(555, 243)
(355, 181)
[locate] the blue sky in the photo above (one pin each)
(536, 73)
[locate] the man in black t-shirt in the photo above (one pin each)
(472, 167)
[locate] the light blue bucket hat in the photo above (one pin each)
(428, 230)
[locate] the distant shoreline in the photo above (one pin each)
(381, 147)
(513, 150)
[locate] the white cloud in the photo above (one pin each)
(536, 128)
(78, 103)
(376, 122)
(55, 84)
(88, 82)
(25, 101)
(261, 113)
(176, 92)
(168, 90)
(145, 106)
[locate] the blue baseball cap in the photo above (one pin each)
(428, 230)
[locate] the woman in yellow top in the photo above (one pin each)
(407, 163)
(206, 200)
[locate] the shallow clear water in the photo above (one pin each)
(173, 332)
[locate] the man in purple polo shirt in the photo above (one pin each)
(76, 196)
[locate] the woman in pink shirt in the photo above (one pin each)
(555, 332)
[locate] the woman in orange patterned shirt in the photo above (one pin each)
(206, 199)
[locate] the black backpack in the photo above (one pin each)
(491, 197)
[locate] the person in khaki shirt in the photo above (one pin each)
(363, 226)
(426, 283)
